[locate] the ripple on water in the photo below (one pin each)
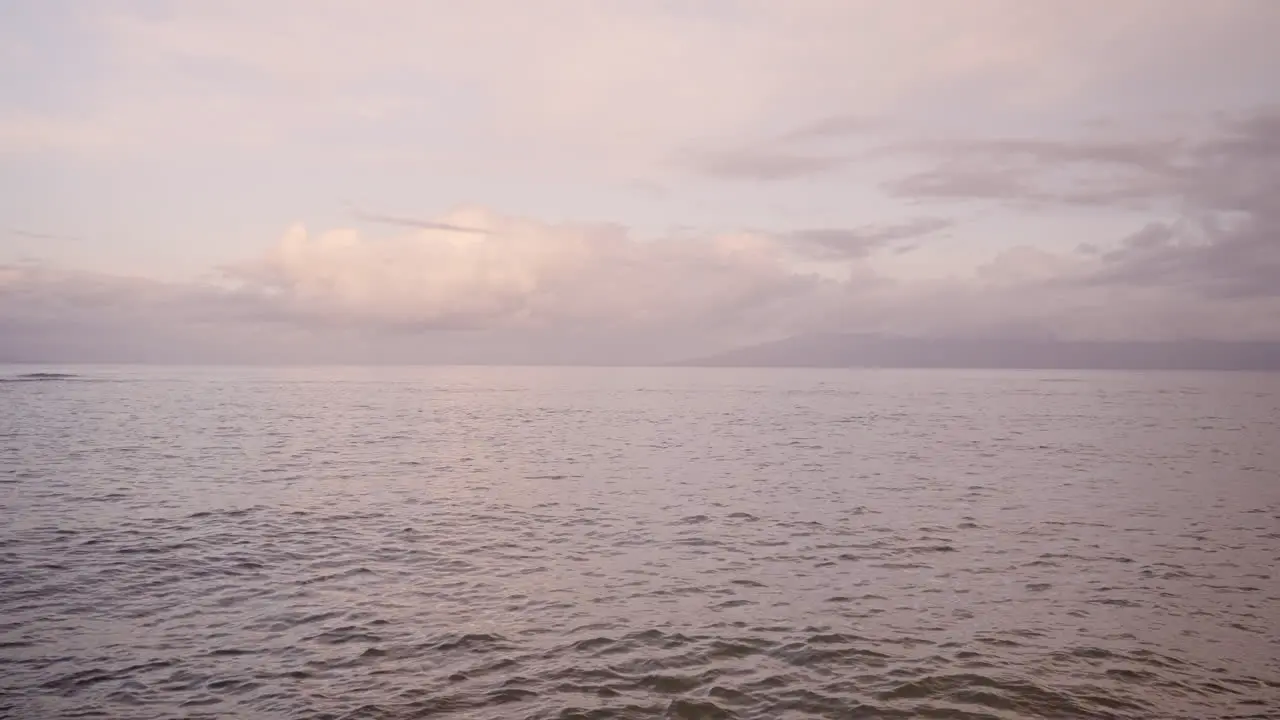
(965, 547)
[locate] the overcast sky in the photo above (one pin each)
(629, 180)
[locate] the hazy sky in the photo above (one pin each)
(629, 179)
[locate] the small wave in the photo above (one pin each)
(471, 642)
(1008, 695)
(697, 710)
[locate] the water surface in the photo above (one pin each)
(615, 543)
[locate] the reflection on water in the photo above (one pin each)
(506, 543)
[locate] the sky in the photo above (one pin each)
(629, 181)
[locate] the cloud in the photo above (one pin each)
(519, 290)
(526, 291)
(49, 313)
(1239, 260)
(33, 235)
(1222, 238)
(1045, 172)
(416, 223)
(617, 87)
(621, 85)
(843, 243)
(763, 164)
(520, 274)
(779, 158)
(1030, 293)
(835, 126)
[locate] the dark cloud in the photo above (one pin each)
(1151, 156)
(1223, 238)
(835, 126)
(32, 235)
(956, 182)
(416, 223)
(847, 243)
(1226, 242)
(1241, 261)
(777, 158)
(1038, 172)
(1239, 170)
(763, 164)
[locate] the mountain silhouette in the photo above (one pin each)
(887, 351)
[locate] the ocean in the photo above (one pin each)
(637, 543)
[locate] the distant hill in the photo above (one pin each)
(835, 350)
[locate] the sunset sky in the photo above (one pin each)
(629, 180)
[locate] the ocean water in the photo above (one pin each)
(634, 543)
